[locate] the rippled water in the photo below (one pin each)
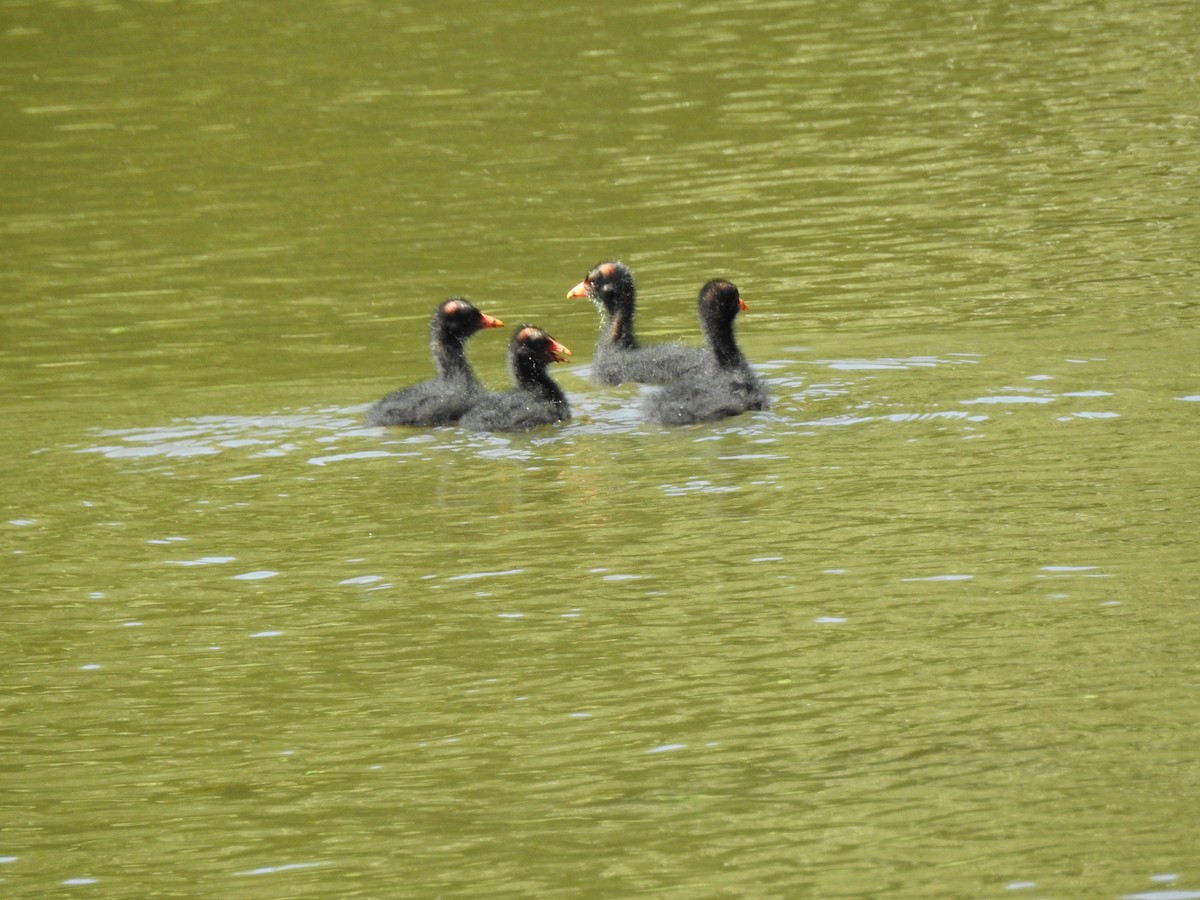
(926, 628)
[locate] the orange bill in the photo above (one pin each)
(558, 352)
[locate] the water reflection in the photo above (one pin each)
(863, 389)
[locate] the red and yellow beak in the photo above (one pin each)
(742, 304)
(580, 290)
(489, 322)
(558, 352)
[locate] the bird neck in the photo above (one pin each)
(724, 347)
(619, 331)
(450, 356)
(618, 315)
(531, 376)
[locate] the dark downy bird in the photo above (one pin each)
(727, 385)
(536, 400)
(619, 357)
(455, 389)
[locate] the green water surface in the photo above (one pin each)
(927, 628)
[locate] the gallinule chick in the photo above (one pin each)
(444, 398)
(726, 385)
(536, 400)
(619, 357)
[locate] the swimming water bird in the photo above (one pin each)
(536, 399)
(619, 356)
(455, 389)
(726, 385)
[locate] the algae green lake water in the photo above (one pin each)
(930, 627)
